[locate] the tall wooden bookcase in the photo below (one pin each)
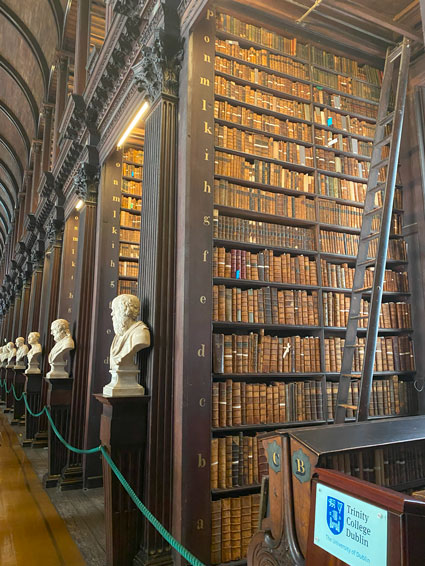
(280, 135)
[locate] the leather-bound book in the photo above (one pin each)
(214, 463)
(216, 527)
(222, 480)
(226, 545)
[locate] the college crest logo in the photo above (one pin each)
(335, 515)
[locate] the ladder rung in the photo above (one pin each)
(380, 164)
(384, 141)
(396, 52)
(376, 188)
(353, 346)
(360, 317)
(362, 290)
(348, 406)
(355, 374)
(367, 262)
(371, 236)
(386, 119)
(373, 211)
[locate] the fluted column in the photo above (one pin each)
(36, 174)
(47, 136)
(87, 181)
(157, 275)
(61, 83)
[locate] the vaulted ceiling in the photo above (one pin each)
(30, 33)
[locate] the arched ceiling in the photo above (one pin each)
(30, 34)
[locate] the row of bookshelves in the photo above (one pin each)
(262, 353)
(287, 268)
(269, 305)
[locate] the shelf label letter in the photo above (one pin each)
(207, 129)
(205, 81)
(201, 351)
(201, 461)
(203, 300)
(206, 252)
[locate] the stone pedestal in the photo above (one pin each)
(123, 384)
(33, 391)
(19, 406)
(59, 392)
(10, 374)
(123, 431)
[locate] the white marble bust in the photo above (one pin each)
(11, 355)
(131, 336)
(34, 354)
(3, 355)
(21, 352)
(64, 343)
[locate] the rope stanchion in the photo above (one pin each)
(151, 518)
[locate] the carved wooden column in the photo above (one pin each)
(61, 80)
(28, 175)
(81, 45)
(19, 406)
(59, 392)
(86, 183)
(37, 257)
(47, 136)
(157, 273)
(26, 290)
(123, 433)
(36, 148)
(33, 391)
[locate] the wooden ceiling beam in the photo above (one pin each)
(422, 7)
(13, 181)
(372, 16)
(57, 11)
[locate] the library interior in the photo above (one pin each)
(212, 282)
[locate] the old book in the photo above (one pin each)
(216, 527)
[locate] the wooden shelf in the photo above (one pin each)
(131, 195)
(333, 71)
(377, 373)
(129, 228)
(135, 163)
(266, 69)
(366, 293)
(256, 86)
(263, 326)
(136, 179)
(262, 217)
(344, 176)
(341, 152)
(268, 376)
(264, 187)
(236, 491)
(264, 427)
(252, 157)
(352, 258)
(127, 278)
(261, 110)
(343, 132)
(132, 211)
(252, 246)
(391, 331)
(345, 112)
(245, 283)
(124, 258)
(262, 132)
(249, 43)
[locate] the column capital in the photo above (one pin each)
(159, 68)
(36, 146)
(86, 182)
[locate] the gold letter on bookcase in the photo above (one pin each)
(207, 221)
(201, 461)
(206, 252)
(205, 81)
(210, 14)
(207, 187)
(200, 524)
(201, 351)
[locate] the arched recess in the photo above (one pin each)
(23, 86)
(57, 12)
(12, 181)
(11, 150)
(17, 123)
(29, 38)
(5, 202)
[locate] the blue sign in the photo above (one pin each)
(350, 529)
(335, 515)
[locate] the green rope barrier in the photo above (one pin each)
(151, 518)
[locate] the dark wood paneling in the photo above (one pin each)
(193, 331)
(67, 303)
(105, 290)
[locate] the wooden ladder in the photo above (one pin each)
(373, 241)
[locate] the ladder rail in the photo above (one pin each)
(362, 261)
(379, 274)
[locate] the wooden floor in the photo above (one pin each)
(38, 527)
